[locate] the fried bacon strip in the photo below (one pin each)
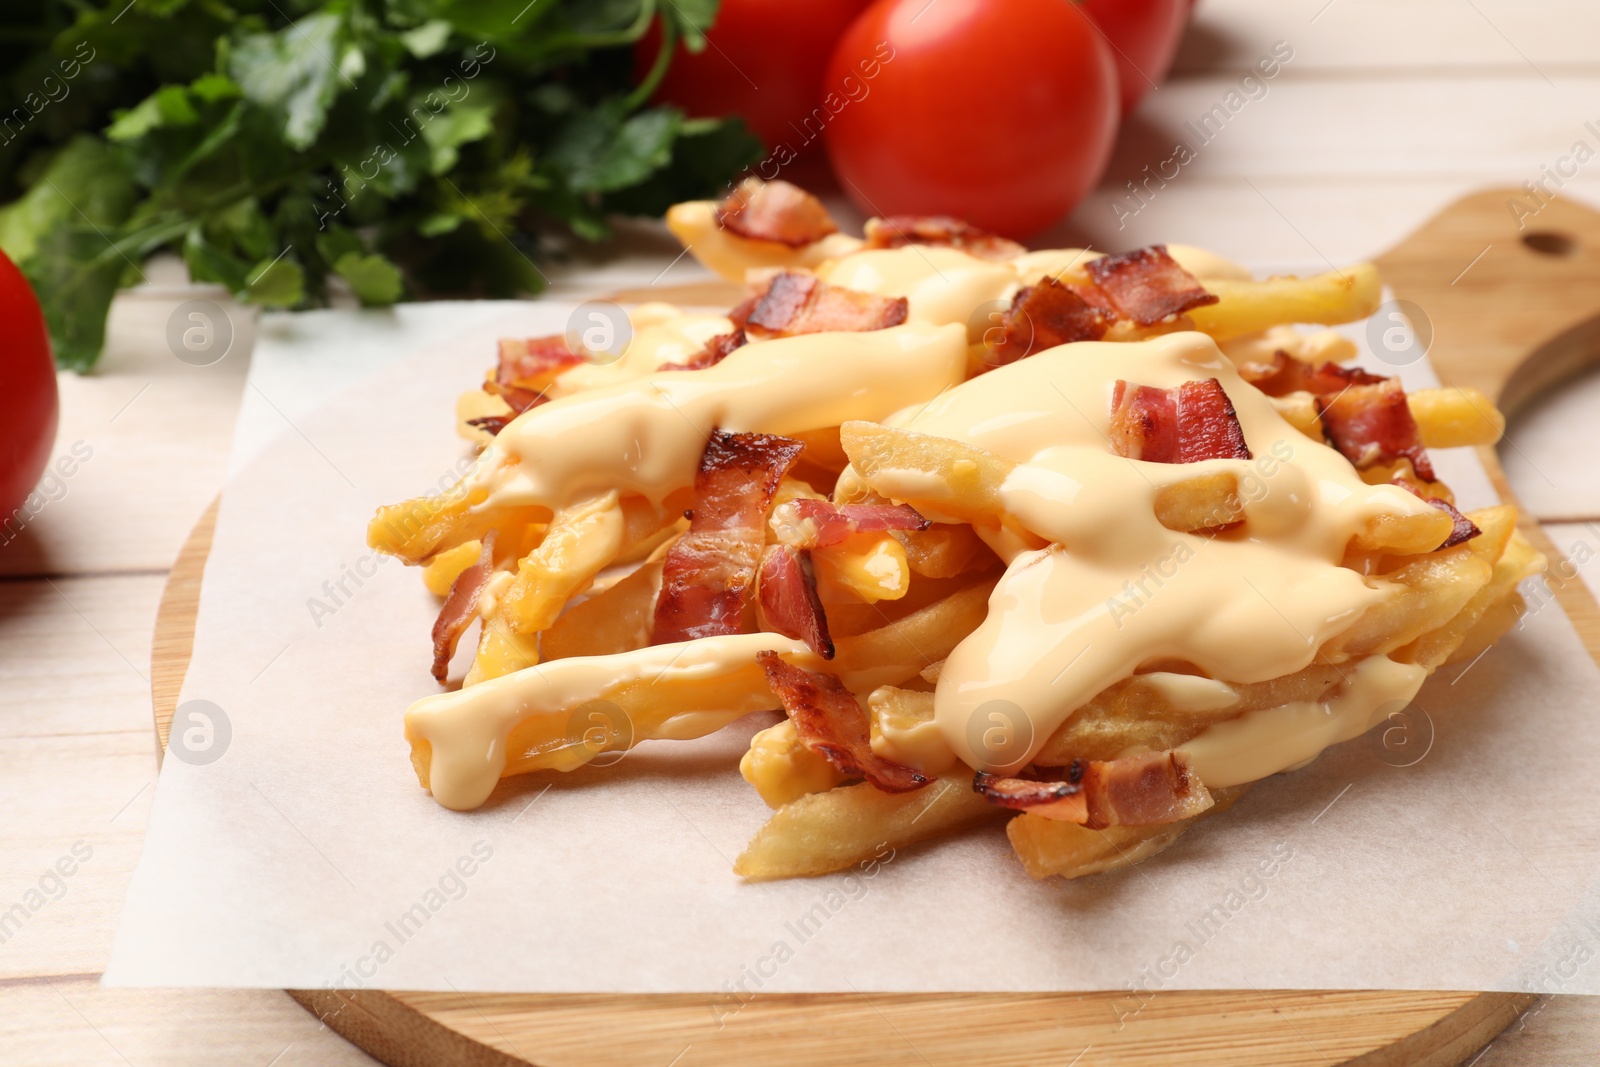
(492, 423)
(1285, 375)
(460, 608)
(1043, 316)
(526, 367)
(708, 575)
(832, 723)
(1188, 424)
(1372, 424)
(1147, 285)
(807, 523)
(897, 231)
(787, 595)
(716, 350)
(775, 211)
(795, 303)
(1149, 790)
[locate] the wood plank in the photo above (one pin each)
(1368, 36)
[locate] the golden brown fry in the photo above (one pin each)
(1049, 847)
(1404, 535)
(440, 572)
(865, 566)
(1515, 560)
(580, 542)
(782, 769)
(830, 831)
(944, 550)
(1204, 502)
(1325, 299)
(617, 620)
(1455, 417)
(944, 479)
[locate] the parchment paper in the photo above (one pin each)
(305, 854)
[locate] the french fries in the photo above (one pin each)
(567, 670)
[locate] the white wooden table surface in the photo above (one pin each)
(1387, 111)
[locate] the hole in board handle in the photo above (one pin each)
(1550, 243)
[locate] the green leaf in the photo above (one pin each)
(599, 153)
(75, 282)
(209, 263)
(277, 282)
(291, 73)
(428, 39)
(167, 106)
(693, 18)
(375, 280)
(452, 128)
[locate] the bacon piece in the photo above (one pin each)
(526, 368)
(1147, 285)
(1464, 530)
(807, 523)
(708, 574)
(775, 211)
(1372, 424)
(460, 608)
(1193, 422)
(795, 303)
(1043, 316)
(1148, 790)
(832, 723)
(1285, 375)
(715, 351)
(493, 423)
(897, 231)
(787, 594)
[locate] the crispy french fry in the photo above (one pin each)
(440, 572)
(617, 620)
(864, 566)
(695, 225)
(1049, 847)
(580, 541)
(1299, 409)
(944, 479)
(1314, 346)
(944, 550)
(501, 650)
(1204, 502)
(904, 730)
(1455, 417)
(783, 769)
(830, 831)
(1404, 535)
(1517, 559)
(1325, 299)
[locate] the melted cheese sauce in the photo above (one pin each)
(1111, 592)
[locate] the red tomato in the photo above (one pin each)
(1000, 112)
(28, 404)
(1144, 36)
(764, 62)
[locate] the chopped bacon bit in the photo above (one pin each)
(787, 593)
(1373, 424)
(1147, 285)
(795, 303)
(897, 231)
(1464, 530)
(775, 211)
(1191, 423)
(1043, 316)
(832, 723)
(518, 399)
(1285, 375)
(1148, 790)
(492, 423)
(708, 575)
(715, 351)
(807, 523)
(460, 608)
(531, 363)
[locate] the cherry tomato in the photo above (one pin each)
(764, 61)
(1144, 36)
(999, 112)
(28, 404)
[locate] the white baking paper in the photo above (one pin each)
(306, 855)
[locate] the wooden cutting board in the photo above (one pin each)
(1512, 312)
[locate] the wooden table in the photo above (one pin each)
(1386, 111)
